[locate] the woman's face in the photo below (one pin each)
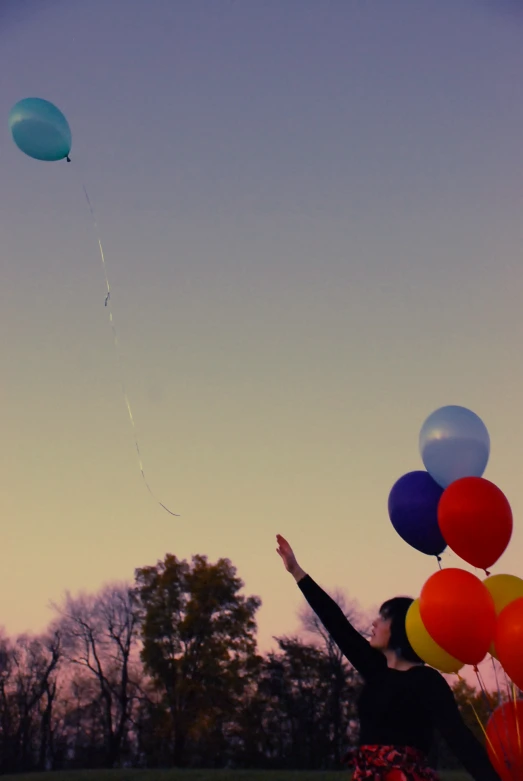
(380, 636)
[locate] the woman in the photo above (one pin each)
(402, 701)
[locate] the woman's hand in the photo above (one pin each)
(288, 557)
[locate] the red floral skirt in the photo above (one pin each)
(390, 763)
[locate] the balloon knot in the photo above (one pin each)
(439, 561)
(475, 668)
(487, 573)
(68, 159)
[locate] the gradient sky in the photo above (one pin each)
(312, 219)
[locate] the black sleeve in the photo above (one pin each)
(448, 721)
(365, 659)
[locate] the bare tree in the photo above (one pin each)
(350, 608)
(344, 680)
(28, 669)
(99, 635)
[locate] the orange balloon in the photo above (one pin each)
(475, 519)
(505, 740)
(459, 614)
(508, 640)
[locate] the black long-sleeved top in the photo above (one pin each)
(399, 707)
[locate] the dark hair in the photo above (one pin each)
(396, 610)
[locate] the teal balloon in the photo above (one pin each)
(40, 130)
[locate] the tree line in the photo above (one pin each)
(165, 672)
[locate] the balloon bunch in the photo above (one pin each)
(450, 503)
(459, 618)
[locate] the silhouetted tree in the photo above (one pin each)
(28, 670)
(99, 635)
(199, 644)
(345, 683)
(167, 672)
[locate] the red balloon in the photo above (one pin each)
(459, 614)
(508, 640)
(475, 519)
(504, 740)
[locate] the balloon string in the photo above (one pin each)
(118, 356)
(485, 734)
(439, 562)
(503, 710)
(504, 748)
(511, 689)
(482, 726)
(514, 695)
(495, 669)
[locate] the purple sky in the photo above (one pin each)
(312, 218)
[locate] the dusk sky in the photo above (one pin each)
(312, 215)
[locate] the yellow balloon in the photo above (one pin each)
(424, 645)
(504, 589)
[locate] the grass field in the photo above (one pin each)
(199, 775)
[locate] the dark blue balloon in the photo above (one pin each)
(413, 511)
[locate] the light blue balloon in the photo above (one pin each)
(454, 443)
(40, 129)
